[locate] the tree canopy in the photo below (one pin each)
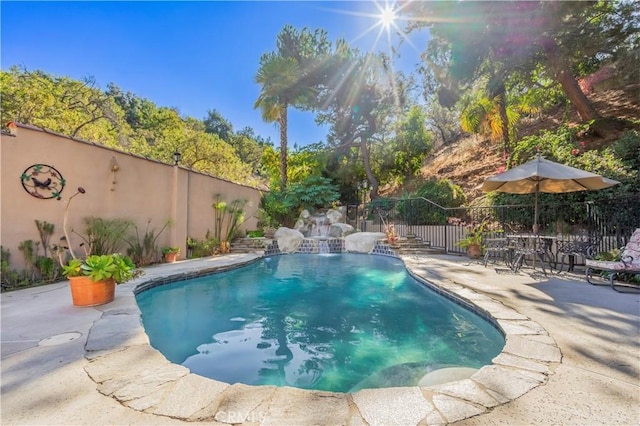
(125, 121)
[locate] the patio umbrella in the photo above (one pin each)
(540, 175)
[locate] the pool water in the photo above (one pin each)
(338, 322)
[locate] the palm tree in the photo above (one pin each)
(279, 78)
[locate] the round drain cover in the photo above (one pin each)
(59, 339)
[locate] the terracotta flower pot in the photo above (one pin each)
(86, 292)
(170, 257)
(474, 251)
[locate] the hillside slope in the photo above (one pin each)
(470, 160)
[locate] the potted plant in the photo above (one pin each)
(170, 254)
(473, 240)
(93, 279)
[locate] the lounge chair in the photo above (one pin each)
(629, 263)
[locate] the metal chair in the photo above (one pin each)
(583, 245)
(496, 248)
(535, 247)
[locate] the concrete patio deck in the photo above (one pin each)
(572, 357)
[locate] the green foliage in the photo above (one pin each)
(216, 124)
(207, 247)
(75, 108)
(167, 250)
(413, 142)
(143, 249)
(497, 44)
(473, 235)
(46, 268)
(255, 233)
(104, 236)
(125, 121)
(45, 229)
(227, 217)
(100, 267)
(627, 149)
(40, 269)
(314, 192)
(443, 192)
(283, 208)
(566, 145)
(29, 252)
(10, 279)
(247, 148)
(73, 268)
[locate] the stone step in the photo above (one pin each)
(247, 245)
(418, 251)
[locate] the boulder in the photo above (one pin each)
(334, 216)
(362, 242)
(301, 226)
(288, 239)
(338, 230)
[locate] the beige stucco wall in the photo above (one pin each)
(143, 190)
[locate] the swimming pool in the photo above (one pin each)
(326, 322)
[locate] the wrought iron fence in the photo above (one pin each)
(611, 222)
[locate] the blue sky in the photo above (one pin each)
(193, 56)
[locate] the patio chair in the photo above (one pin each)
(534, 246)
(496, 248)
(584, 245)
(629, 263)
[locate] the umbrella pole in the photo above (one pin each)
(535, 225)
(535, 211)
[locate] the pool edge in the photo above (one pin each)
(160, 387)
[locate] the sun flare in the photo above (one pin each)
(387, 17)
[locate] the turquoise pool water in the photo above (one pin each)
(339, 322)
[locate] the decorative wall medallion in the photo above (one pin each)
(43, 181)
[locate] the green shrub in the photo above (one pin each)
(143, 249)
(283, 208)
(208, 247)
(227, 217)
(104, 236)
(416, 211)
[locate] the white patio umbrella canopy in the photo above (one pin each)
(540, 175)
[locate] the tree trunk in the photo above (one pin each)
(373, 182)
(504, 122)
(283, 148)
(364, 139)
(497, 92)
(569, 84)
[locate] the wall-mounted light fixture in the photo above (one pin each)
(114, 168)
(176, 158)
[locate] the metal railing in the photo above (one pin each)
(611, 222)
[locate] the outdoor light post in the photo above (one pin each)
(176, 158)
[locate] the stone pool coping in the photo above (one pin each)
(125, 367)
